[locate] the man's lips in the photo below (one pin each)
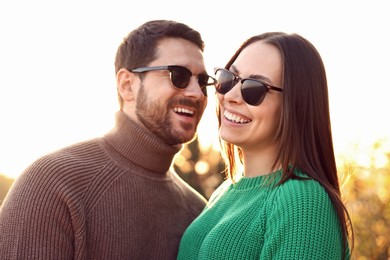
(184, 111)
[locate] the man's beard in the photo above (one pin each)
(155, 116)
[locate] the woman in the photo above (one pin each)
(282, 197)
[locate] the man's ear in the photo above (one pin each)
(125, 83)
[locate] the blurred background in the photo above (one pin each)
(57, 85)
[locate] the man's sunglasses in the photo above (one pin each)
(252, 90)
(181, 76)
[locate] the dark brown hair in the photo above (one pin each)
(304, 133)
(139, 48)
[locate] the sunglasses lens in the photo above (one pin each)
(204, 80)
(225, 81)
(253, 92)
(180, 77)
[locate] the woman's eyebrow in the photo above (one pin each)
(252, 76)
(234, 70)
(261, 78)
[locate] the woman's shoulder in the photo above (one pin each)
(301, 190)
(220, 190)
(300, 211)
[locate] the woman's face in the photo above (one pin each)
(253, 128)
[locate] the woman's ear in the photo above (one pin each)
(125, 84)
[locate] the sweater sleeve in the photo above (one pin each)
(35, 219)
(302, 223)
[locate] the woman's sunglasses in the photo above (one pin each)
(181, 76)
(252, 90)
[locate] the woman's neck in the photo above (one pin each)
(258, 163)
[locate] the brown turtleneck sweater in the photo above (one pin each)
(113, 197)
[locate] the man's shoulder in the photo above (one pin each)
(76, 159)
(187, 191)
(75, 153)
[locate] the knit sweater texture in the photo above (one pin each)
(252, 219)
(113, 197)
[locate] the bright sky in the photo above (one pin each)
(57, 83)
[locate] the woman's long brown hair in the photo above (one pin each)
(304, 134)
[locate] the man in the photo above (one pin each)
(116, 197)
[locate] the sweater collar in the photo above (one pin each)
(140, 146)
(270, 180)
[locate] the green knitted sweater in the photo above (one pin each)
(250, 220)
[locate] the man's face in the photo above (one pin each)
(172, 114)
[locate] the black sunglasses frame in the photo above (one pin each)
(250, 99)
(175, 70)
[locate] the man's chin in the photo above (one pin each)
(182, 138)
(194, 136)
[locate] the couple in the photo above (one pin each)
(115, 197)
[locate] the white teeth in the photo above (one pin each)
(235, 118)
(183, 110)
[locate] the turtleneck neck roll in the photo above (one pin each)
(133, 142)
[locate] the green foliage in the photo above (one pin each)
(202, 169)
(368, 200)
